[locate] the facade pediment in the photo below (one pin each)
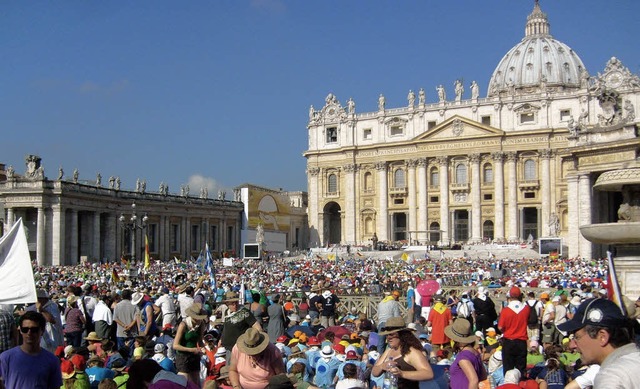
(459, 127)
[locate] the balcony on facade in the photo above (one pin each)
(529, 185)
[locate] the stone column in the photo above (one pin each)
(573, 229)
(476, 210)
(162, 240)
(411, 187)
(73, 246)
(545, 190)
(443, 161)
(41, 254)
(314, 227)
(183, 239)
(584, 203)
(512, 206)
(422, 199)
(96, 236)
(498, 176)
(187, 228)
(10, 220)
(383, 197)
(350, 203)
(57, 236)
(110, 240)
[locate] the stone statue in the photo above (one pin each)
(630, 110)
(459, 89)
(112, 182)
(118, 183)
(222, 194)
(184, 190)
(98, 179)
(237, 195)
(138, 185)
(554, 224)
(422, 97)
(330, 99)
(442, 95)
(475, 90)
(312, 113)
(351, 106)
(164, 189)
(143, 186)
(381, 102)
(411, 97)
(583, 119)
(76, 174)
(202, 195)
(572, 126)
(11, 172)
(374, 241)
(60, 173)
(584, 78)
(259, 234)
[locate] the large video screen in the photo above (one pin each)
(551, 245)
(251, 251)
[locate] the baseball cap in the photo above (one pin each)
(159, 348)
(596, 312)
(514, 292)
(352, 354)
(544, 295)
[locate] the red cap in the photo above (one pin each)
(67, 369)
(313, 341)
(339, 348)
(79, 363)
(281, 339)
(352, 354)
(514, 292)
(440, 353)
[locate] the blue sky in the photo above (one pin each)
(217, 93)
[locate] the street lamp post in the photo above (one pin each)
(133, 225)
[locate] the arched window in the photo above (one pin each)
(368, 181)
(434, 177)
(398, 179)
(461, 173)
(487, 174)
(530, 169)
(487, 230)
(434, 236)
(332, 183)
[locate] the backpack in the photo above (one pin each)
(463, 309)
(533, 320)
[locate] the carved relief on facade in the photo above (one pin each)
(474, 158)
(313, 171)
(442, 160)
(511, 156)
(381, 165)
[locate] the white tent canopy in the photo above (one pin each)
(16, 274)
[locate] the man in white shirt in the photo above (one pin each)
(185, 300)
(167, 306)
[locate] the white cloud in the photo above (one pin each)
(197, 182)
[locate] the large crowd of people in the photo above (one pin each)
(283, 324)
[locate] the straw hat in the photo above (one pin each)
(71, 300)
(231, 296)
(67, 368)
(252, 342)
(460, 331)
(395, 324)
(194, 312)
(93, 336)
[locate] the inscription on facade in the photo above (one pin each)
(603, 158)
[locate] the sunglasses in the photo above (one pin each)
(33, 330)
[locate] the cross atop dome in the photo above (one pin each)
(537, 23)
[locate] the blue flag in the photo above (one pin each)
(211, 270)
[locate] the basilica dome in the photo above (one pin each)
(538, 63)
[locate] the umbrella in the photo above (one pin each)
(338, 330)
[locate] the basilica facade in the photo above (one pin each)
(516, 165)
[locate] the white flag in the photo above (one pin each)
(16, 273)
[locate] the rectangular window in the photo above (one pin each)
(396, 131)
(230, 237)
(332, 134)
(434, 199)
(214, 238)
(367, 134)
(431, 124)
(529, 195)
(195, 234)
(398, 201)
(486, 120)
(488, 197)
(175, 238)
(565, 114)
(527, 118)
(152, 234)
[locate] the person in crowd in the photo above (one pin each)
(513, 325)
(548, 317)
(72, 379)
(511, 380)
(533, 328)
(388, 307)
(315, 303)
(121, 371)
(103, 317)
(166, 338)
(276, 325)
(185, 299)
(147, 374)
(166, 306)
(74, 322)
(467, 370)
(485, 310)
(604, 335)
(494, 368)
(238, 320)
(258, 310)
(8, 330)
(330, 303)
(254, 360)
(145, 319)
(350, 379)
(552, 375)
(188, 343)
(124, 314)
(94, 344)
(97, 372)
(29, 365)
(439, 318)
(160, 356)
(403, 357)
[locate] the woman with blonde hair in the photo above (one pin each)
(188, 343)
